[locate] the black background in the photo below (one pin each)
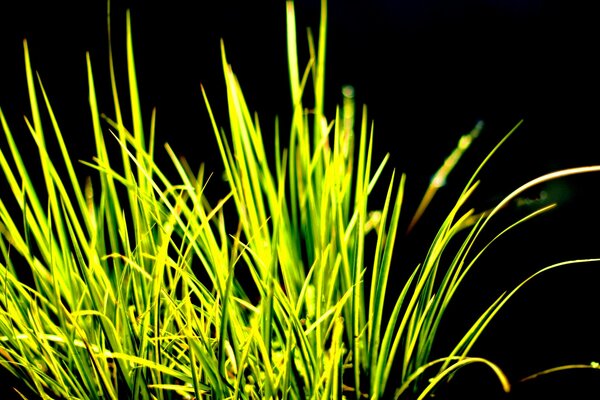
(427, 70)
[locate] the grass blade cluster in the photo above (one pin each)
(134, 284)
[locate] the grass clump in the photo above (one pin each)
(135, 284)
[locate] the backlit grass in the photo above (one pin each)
(135, 284)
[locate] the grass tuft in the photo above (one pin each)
(132, 284)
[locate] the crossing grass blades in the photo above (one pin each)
(129, 284)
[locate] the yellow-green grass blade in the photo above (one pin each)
(439, 179)
(380, 278)
(435, 382)
(476, 330)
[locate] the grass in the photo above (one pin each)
(136, 284)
